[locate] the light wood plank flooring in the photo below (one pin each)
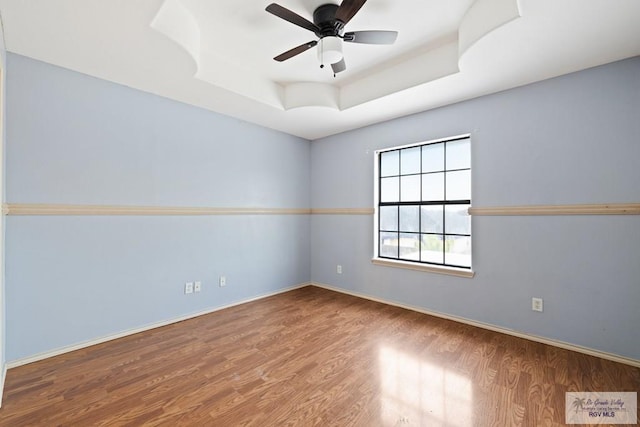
(309, 357)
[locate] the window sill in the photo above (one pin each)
(451, 271)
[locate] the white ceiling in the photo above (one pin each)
(218, 54)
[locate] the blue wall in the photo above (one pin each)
(569, 140)
(74, 139)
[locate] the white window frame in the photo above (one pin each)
(411, 265)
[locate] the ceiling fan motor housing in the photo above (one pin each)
(325, 18)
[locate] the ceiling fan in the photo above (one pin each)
(328, 25)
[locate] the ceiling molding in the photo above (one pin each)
(218, 55)
(425, 64)
(310, 94)
(177, 23)
(419, 69)
(483, 17)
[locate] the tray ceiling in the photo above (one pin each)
(218, 55)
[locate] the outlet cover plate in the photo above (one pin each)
(536, 304)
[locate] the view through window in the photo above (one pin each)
(424, 193)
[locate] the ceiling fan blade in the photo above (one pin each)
(294, 18)
(348, 8)
(371, 37)
(339, 66)
(295, 51)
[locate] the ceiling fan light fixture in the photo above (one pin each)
(330, 50)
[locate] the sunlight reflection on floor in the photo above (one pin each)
(415, 392)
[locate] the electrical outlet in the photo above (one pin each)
(188, 288)
(223, 281)
(197, 286)
(536, 304)
(339, 269)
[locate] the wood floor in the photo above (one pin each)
(304, 358)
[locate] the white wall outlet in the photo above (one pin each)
(339, 269)
(197, 286)
(223, 281)
(536, 304)
(188, 288)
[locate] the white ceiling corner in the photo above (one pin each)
(218, 55)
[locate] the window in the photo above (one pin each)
(423, 197)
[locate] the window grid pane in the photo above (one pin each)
(390, 163)
(424, 197)
(410, 246)
(410, 188)
(389, 245)
(409, 219)
(390, 189)
(388, 218)
(410, 161)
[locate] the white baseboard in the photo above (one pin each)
(543, 340)
(78, 346)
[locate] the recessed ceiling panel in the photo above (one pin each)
(219, 54)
